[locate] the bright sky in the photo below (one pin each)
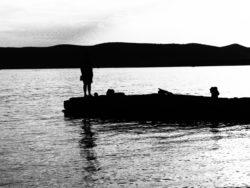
(87, 22)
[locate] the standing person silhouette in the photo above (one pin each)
(87, 76)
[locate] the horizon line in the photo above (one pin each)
(140, 43)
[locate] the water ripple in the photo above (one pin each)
(41, 148)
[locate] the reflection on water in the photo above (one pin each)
(88, 141)
(158, 154)
(41, 148)
(86, 145)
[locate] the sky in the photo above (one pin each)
(89, 22)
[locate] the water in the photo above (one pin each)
(41, 148)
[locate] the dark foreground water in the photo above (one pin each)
(41, 148)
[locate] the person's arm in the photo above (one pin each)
(81, 74)
(81, 70)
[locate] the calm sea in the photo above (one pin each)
(39, 147)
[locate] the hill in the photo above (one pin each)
(124, 55)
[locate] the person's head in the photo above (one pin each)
(87, 60)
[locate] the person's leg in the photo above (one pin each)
(85, 89)
(89, 89)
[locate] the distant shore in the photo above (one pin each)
(124, 55)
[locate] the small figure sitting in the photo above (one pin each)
(110, 92)
(214, 92)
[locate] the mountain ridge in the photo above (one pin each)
(118, 54)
